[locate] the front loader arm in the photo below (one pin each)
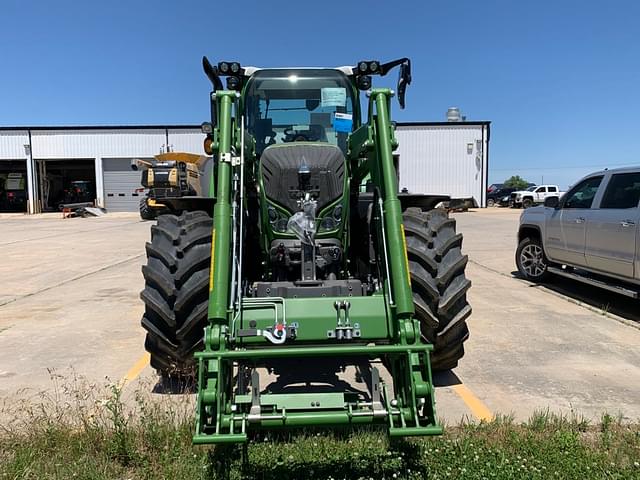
(219, 281)
(373, 145)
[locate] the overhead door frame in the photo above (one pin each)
(99, 182)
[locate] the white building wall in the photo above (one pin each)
(190, 141)
(12, 144)
(67, 144)
(444, 159)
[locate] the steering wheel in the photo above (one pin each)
(293, 135)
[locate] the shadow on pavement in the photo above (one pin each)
(322, 377)
(603, 300)
(445, 379)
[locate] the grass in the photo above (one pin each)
(90, 432)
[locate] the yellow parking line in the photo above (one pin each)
(479, 409)
(134, 371)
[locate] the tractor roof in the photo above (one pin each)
(248, 71)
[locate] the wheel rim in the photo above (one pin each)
(532, 260)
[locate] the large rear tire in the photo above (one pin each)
(176, 292)
(438, 282)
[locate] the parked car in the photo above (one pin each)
(533, 195)
(495, 197)
(590, 234)
(495, 187)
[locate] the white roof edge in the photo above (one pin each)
(251, 70)
(248, 71)
(347, 70)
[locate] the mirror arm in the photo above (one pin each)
(212, 74)
(386, 67)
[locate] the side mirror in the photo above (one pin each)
(404, 79)
(552, 202)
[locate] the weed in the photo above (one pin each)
(98, 432)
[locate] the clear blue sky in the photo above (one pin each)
(560, 80)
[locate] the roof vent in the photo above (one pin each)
(454, 115)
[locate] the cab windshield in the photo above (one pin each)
(305, 105)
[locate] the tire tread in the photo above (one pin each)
(176, 290)
(437, 269)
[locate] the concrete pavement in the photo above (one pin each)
(69, 300)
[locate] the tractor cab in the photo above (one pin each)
(299, 105)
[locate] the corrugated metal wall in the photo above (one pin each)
(444, 159)
(191, 141)
(12, 144)
(96, 143)
(107, 143)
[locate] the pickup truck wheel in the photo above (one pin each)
(527, 202)
(531, 261)
(491, 202)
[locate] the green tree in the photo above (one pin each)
(516, 181)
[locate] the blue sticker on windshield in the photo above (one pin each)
(343, 122)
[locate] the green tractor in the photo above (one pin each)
(303, 263)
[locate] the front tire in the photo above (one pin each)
(176, 292)
(146, 212)
(438, 282)
(531, 261)
(527, 203)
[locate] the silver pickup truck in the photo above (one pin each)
(590, 234)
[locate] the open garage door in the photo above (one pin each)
(121, 185)
(13, 186)
(65, 181)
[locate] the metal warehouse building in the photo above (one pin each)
(436, 157)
